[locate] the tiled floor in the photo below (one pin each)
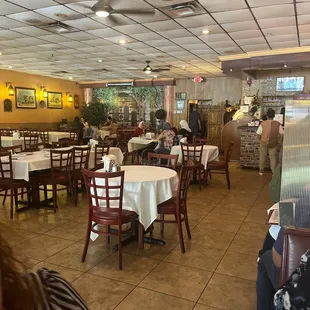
(217, 271)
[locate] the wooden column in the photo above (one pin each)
(88, 95)
(169, 102)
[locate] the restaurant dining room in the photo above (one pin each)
(154, 153)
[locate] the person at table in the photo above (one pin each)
(161, 148)
(269, 132)
(79, 127)
(113, 129)
(140, 130)
(108, 122)
(63, 124)
(194, 121)
(229, 113)
(185, 131)
(167, 135)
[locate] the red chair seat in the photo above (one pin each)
(60, 179)
(167, 207)
(217, 165)
(110, 215)
(16, 184)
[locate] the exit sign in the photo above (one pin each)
(198, 79)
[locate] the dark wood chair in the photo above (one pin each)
(193, 152)
(222, 167)
(105, 198)
(178, 206)
(30, 141)
(163, 160)
(144, 156)
(74, 137)
(44, 136)
(80, 162)
(61, 168)
(13, 149)
(7, 183)
(63, 142)
(6, 132)
(201, 140)
(101, 149)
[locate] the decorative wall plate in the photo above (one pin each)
(42, 104)
(7, 105)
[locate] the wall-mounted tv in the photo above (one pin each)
(295, 83)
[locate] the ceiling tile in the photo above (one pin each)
(201, 20)
(305, 42)
(215, 37)
(186, 40)
(131, 29)
(274, 11)
(9, 23)
(104, 33)
(212, 28)
(79, 36)
(156, 43)
(163, 25)
(286, 44)
(255, 47)
(280, 30)
(303, 8)
(246, 34)
(223, 5)
(32, 31)
(229, 51)
(163, 3)
(148, 19)
(172, 48)
(304, 28)
(59, 12)
(55, 38)
(258, 3)
(252, 41)
(277, 22)
(96, 42)
(83, 7)
(233, 16)
(147, 36)
(172, 34)
(117, 20)
(11, 35)
(73, 44)
(281, 38)
(304, 19)
(35, 4)
(224, 44)
(84, 24)
(9, 8)
(31, 18)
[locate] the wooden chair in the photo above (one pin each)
(163, 160)
(6, 132)
(61, 166)
(222, 167)
(105, 199)
(30, 141)
(63, 142)
(143, 157)
(203, 140)
(100, 150)
(13, 149)
(74, 137)
(44, 136)
(178, 206)
(7, 183)
(80, 162)
(193, 152)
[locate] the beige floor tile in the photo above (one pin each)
(16, 236)
(41, 247)
(225, 292)
(204, 307)
(227, 204)
(217, 224)
(135, 268)
(211, 238)
(253, 229)
(239, 265)
(71, 231)
(246, 244)
(101, 293)
(41, 225)
(143, 299)
(72, 255)
(176, 280)
(200, 257)
(227, 214)
(259, 217)
(68, 274)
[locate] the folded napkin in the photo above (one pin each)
(93, 142)
(149, 135)
(16, 135)
(183, 140)
(108, 162)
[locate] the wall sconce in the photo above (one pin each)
(44, 91)
(10, 88)
(69, 96)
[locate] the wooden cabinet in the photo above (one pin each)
(215, 125)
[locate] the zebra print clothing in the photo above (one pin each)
(55, 292)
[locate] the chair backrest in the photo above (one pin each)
(105, 190)
(81, 158)
(74, 136)
(6, 132)
(229, 152)
(6, 168)
(63, 142)
(30, 141)
(191, 152)
(100, 150)
(13, 149)
(184, 183)
(163, 160)
(202, 140)
(44, 136)
(144, 157)
(296, 242)
(61, 161)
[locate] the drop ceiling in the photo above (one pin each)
(236, 27)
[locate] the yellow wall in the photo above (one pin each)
(39, 115)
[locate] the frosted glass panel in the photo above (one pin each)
(296, 160)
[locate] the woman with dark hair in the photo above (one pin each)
(167, 135)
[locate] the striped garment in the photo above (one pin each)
(55, 292)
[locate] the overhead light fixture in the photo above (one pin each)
(101, 9)
(100, 60)
(148, 68)
(10, 88)
(44, 91)
(70, 77)
(285, 66)
(123, 42)
(69, 96)
(0, 53)
(205, 31)
(230, 70)
(183, 67)
(155, 76)
(10, 67)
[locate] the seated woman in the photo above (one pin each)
(78, 126)
(113, 129)
(140, 130)
(185, 131)
(167, 135)
(160, 148)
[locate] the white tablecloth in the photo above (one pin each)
(145, 187)
(54, 136)
(103, 133)
(138, 143)
(37, 161)
(11, 141)
(209, 153)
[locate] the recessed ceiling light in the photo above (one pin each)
(0, 53)
(100, 60)
(205, 31)
(102, 13)
(183, 67)
(122, 41)
(285, 66)
(10, 67)
(70, 78)
(230, 70)
(155, 76)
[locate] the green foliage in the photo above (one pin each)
(159, 96)
(105, 95)
(95, 113)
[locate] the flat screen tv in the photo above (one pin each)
(293, 84)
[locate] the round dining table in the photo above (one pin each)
(145, 187)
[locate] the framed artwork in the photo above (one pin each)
(54, 100)
(76, 101)
(25, 98)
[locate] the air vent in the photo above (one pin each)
(184, 9)
(119, 84)
(58, 27)
(60, 72)
(100, 70)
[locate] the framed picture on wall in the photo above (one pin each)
(25, 98)
(54, 100)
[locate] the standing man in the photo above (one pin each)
(229, 113)
(194, 121)
(269, 132)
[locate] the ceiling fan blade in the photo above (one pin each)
(113, 20)
(160, 70)
(135, 12)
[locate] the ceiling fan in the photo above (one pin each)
(148, 69)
